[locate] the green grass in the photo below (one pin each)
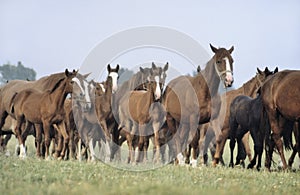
(35, 176)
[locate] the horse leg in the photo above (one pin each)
(220, 143)
(245, 141)
(3, 116)
(156, 126)
(107, 140)
(210, 135)
(46, 127)
(296, 147)
(18, 131)
(38, 139)
(201, 145)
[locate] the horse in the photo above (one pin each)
(137, 110)
(187, 100)
(221, 123)
(43, 84)
(31, 106)
(247, 114)
(92, 124)
(281, 99)
(136, 82)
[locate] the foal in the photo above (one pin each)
(246, 114)
(47, 108)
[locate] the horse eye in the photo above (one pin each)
(218, 62)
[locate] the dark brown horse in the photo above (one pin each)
(221, 123)
(187, 100)
(281, 99)
(246, 114)
(31, 106)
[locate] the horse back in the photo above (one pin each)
(282, 92)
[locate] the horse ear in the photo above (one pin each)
(166, 66)
(153, 65)
(213, 48)
(259, 71)
(86, 75)
(231, 49)
(276, 70)
(67, 72)
(198, 68)
(267, 70)
(142, 70)
(118, 67)
(108, 68)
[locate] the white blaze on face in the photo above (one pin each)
(157, 89)
(102, 87)
(83, 90)
(229, 77)
(114, 77)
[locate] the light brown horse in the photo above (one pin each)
(137, 110)
(43, 84)
(31, 106)
(281, 99)
(187, 99)
(221, 123)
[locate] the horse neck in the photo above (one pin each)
(59, 95)
(211, 77)
(149, 95)
(250, 87)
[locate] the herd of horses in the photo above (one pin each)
(188, 115)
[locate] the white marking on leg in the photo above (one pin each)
(22, 151)
(92, 151)
(180, 159)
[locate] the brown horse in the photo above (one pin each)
(92, 124)
(187, 100)
(221, 123)
(281, 99)
(43, 84)
(137, 110)
(31, 106)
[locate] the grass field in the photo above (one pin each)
(36, 176)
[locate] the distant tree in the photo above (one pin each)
(12, 72)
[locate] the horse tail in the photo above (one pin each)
(12, 108)
(287, 135)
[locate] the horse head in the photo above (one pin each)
(114, 74)
(223, 64)
(81, 90)
(261, 76)
(156, 80)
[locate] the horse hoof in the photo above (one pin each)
(193, 163)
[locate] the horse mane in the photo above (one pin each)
(51, 80)
(57, 84)
(247, 83)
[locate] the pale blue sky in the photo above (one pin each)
(52, 35)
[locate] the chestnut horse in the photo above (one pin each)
(281, 99)
(136, 112)
(43, 84)
(187, 99)
(221, 123)
(31, 106)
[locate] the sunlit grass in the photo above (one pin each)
(36, 176)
